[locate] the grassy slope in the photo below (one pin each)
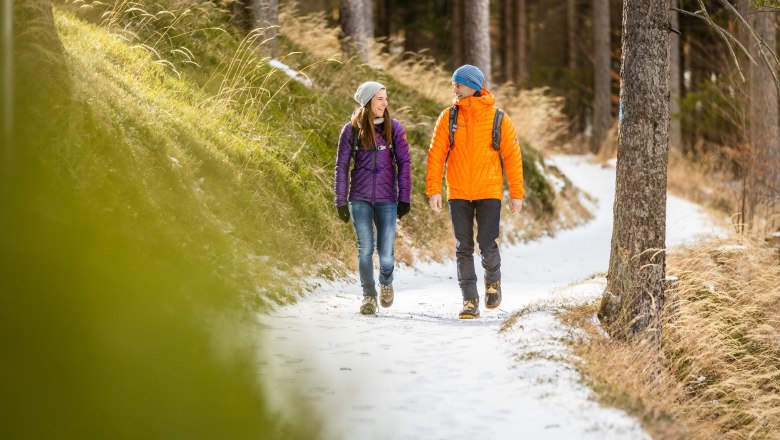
(152, 199)
(231, 158)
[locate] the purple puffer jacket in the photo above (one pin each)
(373, 178)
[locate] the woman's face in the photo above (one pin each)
(379, 103)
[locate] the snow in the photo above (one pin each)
(415, 371)
(276, 64)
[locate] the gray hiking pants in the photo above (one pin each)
(487, 213)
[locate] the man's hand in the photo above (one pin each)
(435, 202)
(515, 205)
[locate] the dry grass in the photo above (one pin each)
(704, 181)
(537, 114)
(718, 376)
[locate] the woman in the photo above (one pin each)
(380, 187)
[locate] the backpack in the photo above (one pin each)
(356, 143)
(496, 131)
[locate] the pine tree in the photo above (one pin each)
(602, 89)
(476, 36)
(675, 130)
(351, 19)
(632, 302)
(763, 136)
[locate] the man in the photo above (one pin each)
(475, 182)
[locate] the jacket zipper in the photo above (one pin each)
(373, 194)
(470, 143)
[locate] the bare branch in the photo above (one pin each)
(763, 48)
(724, 34)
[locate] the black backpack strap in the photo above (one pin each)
(355, 141)
(453, 124)
(497, 135)
(391, 145)
(497, 129)
(452, 127)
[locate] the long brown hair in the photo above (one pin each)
(364, 120)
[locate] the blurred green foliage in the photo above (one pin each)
(122, 311)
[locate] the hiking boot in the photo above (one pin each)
(470, 309)
(386, 295)
(369, 305)
(493, 295)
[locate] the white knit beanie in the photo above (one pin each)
(366, 91)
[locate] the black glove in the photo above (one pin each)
(403, 209)
(343, 213)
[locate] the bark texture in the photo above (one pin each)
(632, 302)
(521, 43)
(265, 19)
(602, 90)
(351, 19)
(571, 35)
(507, 51)
(763, 181)
(477, 36)
(458, 38)
(675, 129)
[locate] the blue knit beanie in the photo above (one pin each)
(469, 76)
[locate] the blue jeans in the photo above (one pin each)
(365, 216)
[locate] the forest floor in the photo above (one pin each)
(415, 371)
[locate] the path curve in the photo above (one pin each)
(415, 371)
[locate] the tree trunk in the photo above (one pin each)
(521, 42)
(763, 183)
(507, 41)
(675, 129)
(261, 16)
(477, 36)
(368, 20)
(384, 20)
(352, 29)
(242, 14)
(602, 90)
(631, 304)
(265, 18)
(571, 35)
(458, 55)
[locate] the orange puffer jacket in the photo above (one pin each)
(474, 168)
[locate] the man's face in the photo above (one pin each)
(462, 91)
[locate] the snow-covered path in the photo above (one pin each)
(415, 371)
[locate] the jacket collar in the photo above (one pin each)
(487, 100)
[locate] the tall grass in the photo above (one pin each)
(718, 375)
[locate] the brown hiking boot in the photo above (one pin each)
(369, 305)
(470, 309)
(493, 295)
(386, 295)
